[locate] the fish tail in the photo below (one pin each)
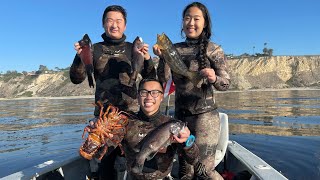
(89, 70)
(133, 78)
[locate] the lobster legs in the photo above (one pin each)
(108, 130)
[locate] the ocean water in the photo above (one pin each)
(282, 127)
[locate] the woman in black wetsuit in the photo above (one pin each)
(195, 105)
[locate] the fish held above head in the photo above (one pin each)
(173, 59)
(86, 57)
(155, 140)
(137, 59)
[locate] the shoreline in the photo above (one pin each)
(92, 96)
(48, 97)
(273, 89)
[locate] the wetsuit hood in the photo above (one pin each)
(113, 41)
(190, 41)
(151, 118)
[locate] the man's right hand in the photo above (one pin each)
(78, 48)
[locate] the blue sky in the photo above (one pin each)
(40, 32)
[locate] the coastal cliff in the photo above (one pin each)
(53, 84)
(276, 72)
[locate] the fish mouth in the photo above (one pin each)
(161, 40)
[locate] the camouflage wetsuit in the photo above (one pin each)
(197, 105)
(112, 70)
(161, 164)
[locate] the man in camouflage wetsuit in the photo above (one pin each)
(112, 61)
(147, 119)
(194, 105)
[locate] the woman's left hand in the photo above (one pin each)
(210, 74)
(183, 135)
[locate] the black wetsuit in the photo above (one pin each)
(197, 106)
(161, 164)
(112, 61)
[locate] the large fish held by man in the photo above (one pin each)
(86, 57)
(173, 59)
(137, 60)
(161, 137)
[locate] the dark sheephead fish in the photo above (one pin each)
(156, 139)
(137, 60)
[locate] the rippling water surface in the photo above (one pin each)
(282, 127)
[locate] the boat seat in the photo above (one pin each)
(223, 138)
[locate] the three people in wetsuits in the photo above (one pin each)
(193, 105)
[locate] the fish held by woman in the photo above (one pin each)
(173, 59)
(86, 57)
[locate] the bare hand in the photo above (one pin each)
(78, 48)
(145, 51)
(183, 135)
(210, 74)
(157, 50)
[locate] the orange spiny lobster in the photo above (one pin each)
(108, 130)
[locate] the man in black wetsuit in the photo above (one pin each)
(112, 61)
(148, 120)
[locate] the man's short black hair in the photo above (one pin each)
(115, 8)
(148, 80)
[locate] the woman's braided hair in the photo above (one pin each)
(206, 33)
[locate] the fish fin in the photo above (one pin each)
(137, 168)
(89, 70)
(137, 147)
(90, 79)
(196, 79)
(133, 78)
(151, 155)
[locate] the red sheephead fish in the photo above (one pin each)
(86, 57)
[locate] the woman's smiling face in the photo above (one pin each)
(193, 22)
